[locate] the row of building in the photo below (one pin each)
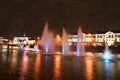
(99, 39)
(2, 39)
(111, 38)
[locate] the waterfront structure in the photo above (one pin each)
(2, 40)
(89, 39)
(97, 39)
(23, 40)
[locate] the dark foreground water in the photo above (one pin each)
(22, 65)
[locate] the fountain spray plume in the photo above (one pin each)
(107, 53)
(80, 46)
(65, 43)
(47, 39)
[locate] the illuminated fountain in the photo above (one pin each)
(36, 48)
(65, 44)
(47, 40)
(107, 53)
(27, 47)
(21, 46)
(80, 47)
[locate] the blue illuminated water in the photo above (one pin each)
(107, 53)
(107, 69)
(36, 48)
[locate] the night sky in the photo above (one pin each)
(29, 16)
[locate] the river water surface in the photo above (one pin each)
(25, 65)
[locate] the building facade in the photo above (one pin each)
(23, 40)
(100, 39)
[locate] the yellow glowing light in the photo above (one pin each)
(58, 39)
(38, 37)
(89, 34)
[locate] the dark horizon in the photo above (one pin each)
(29, 16)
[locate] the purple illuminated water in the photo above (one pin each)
(27, 47)
(21, 47)
(47, 40)
(80, 47)
(65, 43)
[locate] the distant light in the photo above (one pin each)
(38, 37)
(89, 34)
(58, 36)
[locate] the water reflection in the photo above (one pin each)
(57, 67)
(89, 67)
(107, 69)
(4, 57)
(37, 66)
(118, 70)
(12, 59)
(24, 66)
(21, 65)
